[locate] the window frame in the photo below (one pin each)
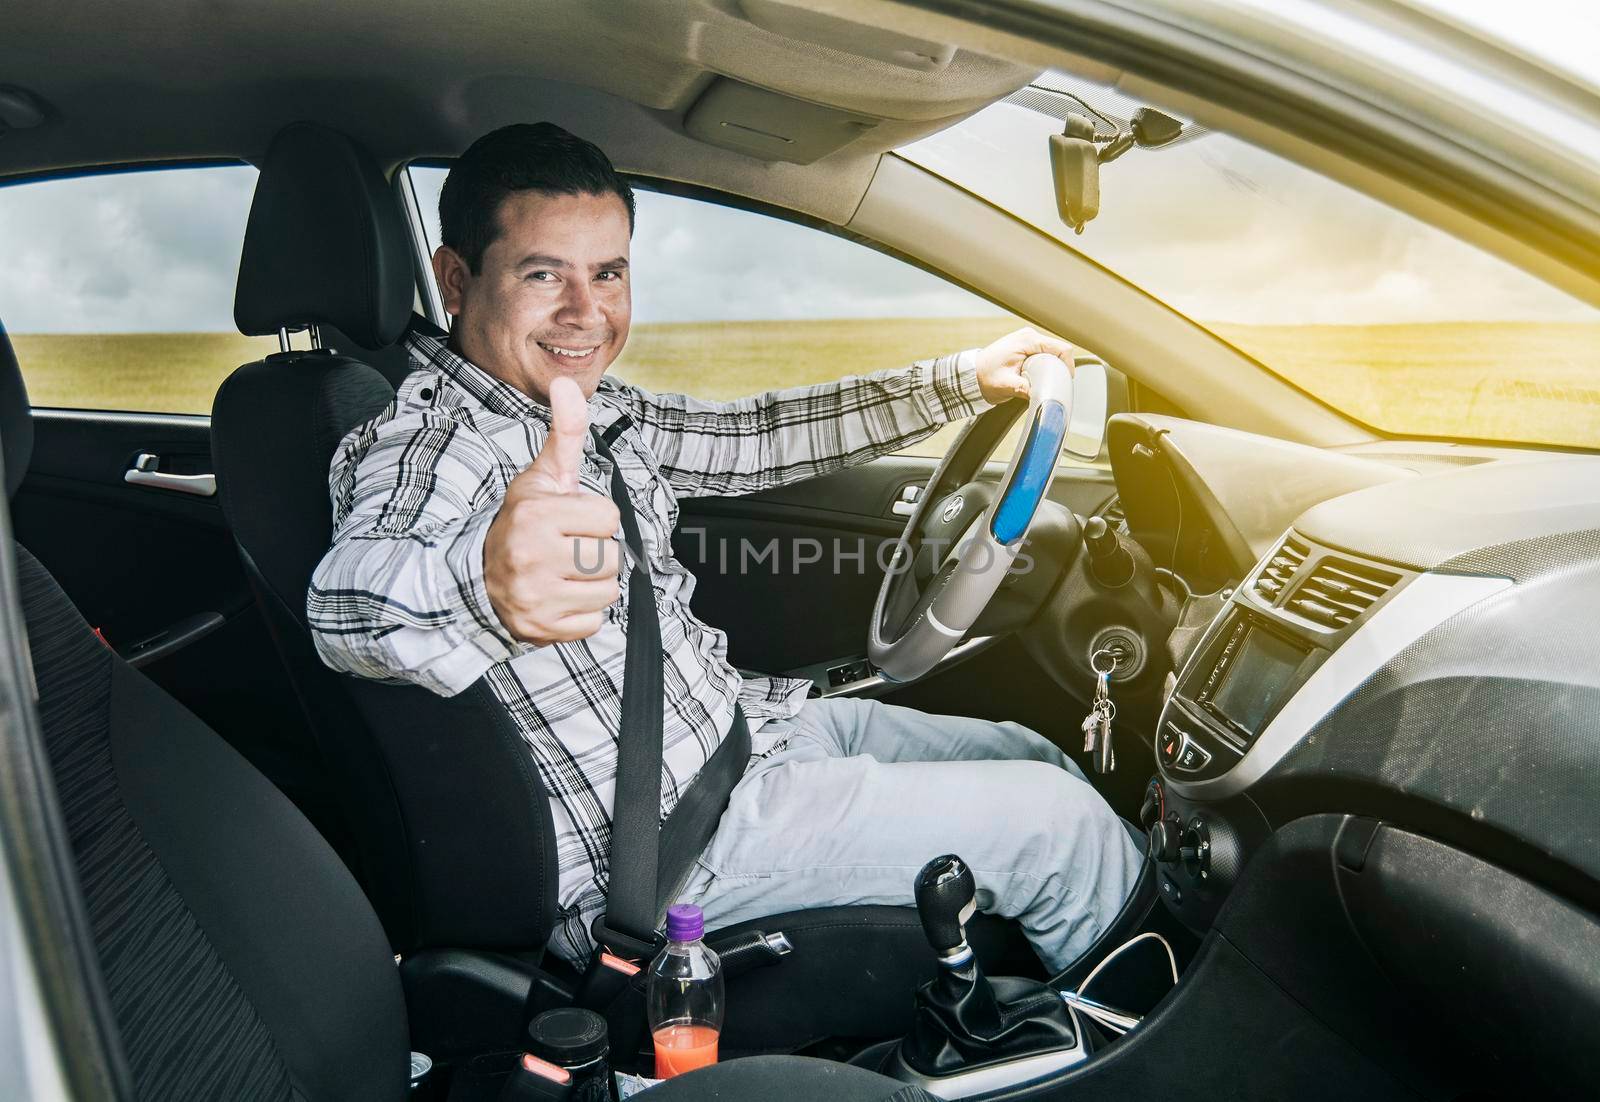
(120, 168)
(702, 193)
(421, 248)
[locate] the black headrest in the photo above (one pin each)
(326, 242)
(16, 417)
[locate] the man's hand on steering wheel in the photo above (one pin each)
(1000, 374)
(975, 527)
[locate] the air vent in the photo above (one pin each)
(1113, 515)
(1338, 591)
(1274, 577)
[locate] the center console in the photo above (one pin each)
(1304, 630)
(1249, 665)
(1270, 663)
(1279, 655)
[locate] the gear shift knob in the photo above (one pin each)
(946, 899)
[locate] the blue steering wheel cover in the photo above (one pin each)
(1032, 476)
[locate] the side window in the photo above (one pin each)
(728, 303)
(117, 289)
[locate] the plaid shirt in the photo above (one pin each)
(400, 596)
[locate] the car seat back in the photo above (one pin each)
(238, 955)
(424, 781)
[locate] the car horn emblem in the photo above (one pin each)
(952, 508)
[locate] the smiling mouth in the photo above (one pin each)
(568, 353)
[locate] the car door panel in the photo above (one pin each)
(807, 601)
(157, 573)
(788, 593)
(136, 559)
(865, 491)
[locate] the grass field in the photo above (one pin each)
(1522, 381)
(1532, 381)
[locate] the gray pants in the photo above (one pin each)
(865, 793)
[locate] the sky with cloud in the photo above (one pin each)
(1219, 229)
(696, 261)
(136, 252)
(1226, 232)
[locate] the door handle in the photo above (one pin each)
(906, 503)
(144, 473)
(173, 639)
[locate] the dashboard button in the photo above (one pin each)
(1192, 757)
(1171, 744)
(1171, 892)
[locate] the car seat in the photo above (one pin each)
(455, 844)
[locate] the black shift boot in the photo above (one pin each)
(963, 1019)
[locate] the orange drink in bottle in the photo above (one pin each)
(684, 996)
(681, 1048)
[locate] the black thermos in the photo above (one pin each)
(575, 1042)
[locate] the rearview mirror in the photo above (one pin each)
(1077, 153)
(1075, 171)
(1086, 429)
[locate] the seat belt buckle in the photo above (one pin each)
(622, 946)
(614, 984)
(618, 964)
(606, 980)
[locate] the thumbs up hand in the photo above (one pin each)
(550, 563)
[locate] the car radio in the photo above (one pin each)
(1245, 671)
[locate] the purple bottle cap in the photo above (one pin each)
(685, 922)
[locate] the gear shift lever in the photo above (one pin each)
(947, 898)
(962, 1019)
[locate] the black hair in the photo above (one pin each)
(537, 156)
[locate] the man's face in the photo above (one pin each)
(552, 295)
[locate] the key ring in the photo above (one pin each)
(1094, 662)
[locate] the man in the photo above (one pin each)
(475, 537)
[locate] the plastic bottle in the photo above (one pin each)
(685, 999)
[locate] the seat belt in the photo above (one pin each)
(650, 860)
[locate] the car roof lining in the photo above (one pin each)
(411, 79)
(184, 80)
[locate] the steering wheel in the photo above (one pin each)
(976, 554)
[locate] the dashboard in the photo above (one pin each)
(1403, 634)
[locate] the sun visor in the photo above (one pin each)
(848, 36)
(769, 125)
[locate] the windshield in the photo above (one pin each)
(1395, 323)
